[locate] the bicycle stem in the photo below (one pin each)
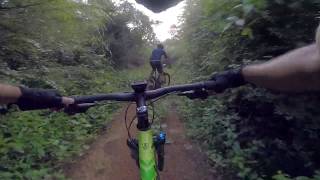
(142, 108)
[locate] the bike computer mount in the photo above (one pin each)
(139, 87)
(142, 109)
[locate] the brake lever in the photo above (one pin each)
(3, 110)
(195, 94)
(78, 108)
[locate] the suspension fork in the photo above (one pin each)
(147, 162)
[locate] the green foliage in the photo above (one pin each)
(281, 176)
(65, 45)
(49, 24)
(31, 143)
(250, 133)
(130, 35)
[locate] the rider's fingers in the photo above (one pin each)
(67, 101)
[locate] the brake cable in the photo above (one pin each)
(151, 103)
(125, 120)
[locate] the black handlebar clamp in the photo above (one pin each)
(139, 87)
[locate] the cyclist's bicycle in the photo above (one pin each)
(147, 150)
(155, 81)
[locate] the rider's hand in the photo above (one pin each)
(32, 99)
(228, 79)
(66, 101)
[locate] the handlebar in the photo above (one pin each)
(152, 94)
(129, 96)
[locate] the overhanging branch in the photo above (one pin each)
(2, 8)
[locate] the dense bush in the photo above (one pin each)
(249, 132)
(33, 145)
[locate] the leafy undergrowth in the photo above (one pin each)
(250, 133)
(34, 144)
(135, 75)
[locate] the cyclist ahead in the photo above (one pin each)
(157, 55)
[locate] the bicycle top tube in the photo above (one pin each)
(152, 94)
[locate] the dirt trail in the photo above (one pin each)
(109, 158)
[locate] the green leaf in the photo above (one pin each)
(247, 32)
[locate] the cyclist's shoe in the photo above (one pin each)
(228, 79)
(32, 99)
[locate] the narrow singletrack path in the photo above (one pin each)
(109, 158)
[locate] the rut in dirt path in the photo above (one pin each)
(109, 158)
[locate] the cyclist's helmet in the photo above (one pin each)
(160, 46)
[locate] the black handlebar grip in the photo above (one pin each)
(210, 85)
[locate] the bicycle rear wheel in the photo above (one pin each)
(151, 85)
(158, 83)
(167, 79)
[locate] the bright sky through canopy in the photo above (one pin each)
(167, 18)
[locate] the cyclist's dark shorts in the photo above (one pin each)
(156, 65)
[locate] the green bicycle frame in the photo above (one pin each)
(149, 149)
(148, 168)
(147, 160)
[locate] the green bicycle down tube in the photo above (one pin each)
(147, 161)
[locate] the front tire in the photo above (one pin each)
(160, 157)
